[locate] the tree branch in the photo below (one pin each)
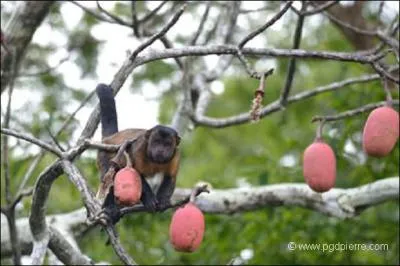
(37, 218)
(128, 66)
(32, 140)
(338, 202)
(353, 112)
(156, 36)
(64, 251)
(269, 23)
(200, 28)
(275, 106)
(292, 63)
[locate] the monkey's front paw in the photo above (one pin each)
(150, 203)
(163, 204)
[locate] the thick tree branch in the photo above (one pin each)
(338, 202)
(37, 218)
(64, 251)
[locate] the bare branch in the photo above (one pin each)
(98, 16)
(275, 106)
(128, 66)
(22, 194)
(64, 251)
(269, 23)
(337, 202)
(10, 213)
(319, 9)
(113, 17)
(81, 184)
(45, 71)
(168, 44)
(39, 250)
(292, 62)
(37, 218)
(159, 34)
(383, 73)
(353, 112)
(31, 139)
(118, 248)
(273, 52)
(373, 33)
(201, 25)
(135, 22)
(152, 13)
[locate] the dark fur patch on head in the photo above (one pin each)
(161, 144)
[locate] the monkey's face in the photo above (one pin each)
(162, 142)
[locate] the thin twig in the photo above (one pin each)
(352, 112)
(93, 13)
(32, 140)
(383, 73)
(202, 23)
(319, 9)
(389, 99)
(113, 17)
(28, 173)
(118, 248)
(167, 44)
(21, 195)
(269, 23)
(373, 33)
(159, 34)
(210, 33)
(10, 214)
(45, 71)
(152, 13)
(292, 63)
(135, 23)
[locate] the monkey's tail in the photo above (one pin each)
(108, 112)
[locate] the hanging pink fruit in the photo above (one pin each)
(187, 228)
(319, 164)
(127, 186)
(381, 131)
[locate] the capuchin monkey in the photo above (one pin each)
(154, 151)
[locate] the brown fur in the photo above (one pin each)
(138, 155)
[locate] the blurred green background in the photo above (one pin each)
(251, 153)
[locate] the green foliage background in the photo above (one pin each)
(222, 156)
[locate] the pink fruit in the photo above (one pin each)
(319, 166)
(381, 131)
(187, 228)
(127, 186)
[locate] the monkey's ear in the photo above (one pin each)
(178, 140)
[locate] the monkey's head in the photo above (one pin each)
(162, 142)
